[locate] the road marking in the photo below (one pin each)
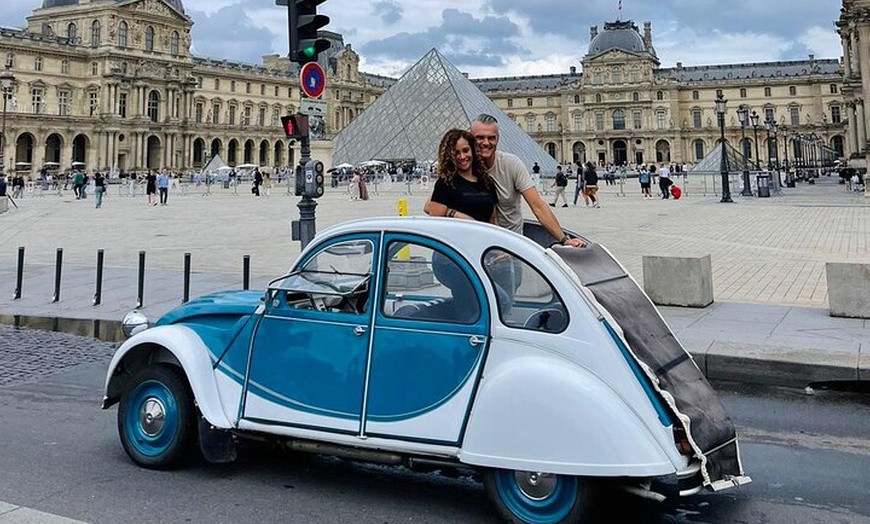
(11, 514)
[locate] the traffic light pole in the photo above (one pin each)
(305, 226)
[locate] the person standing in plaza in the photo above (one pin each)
(560, 184)
(258, 181)
(78, 181)
(513, 182)
(645, 179)
(579, 185)
(163, 187)
(99, 189)
(590, 184)
(151, 188)
(664, 174)
(267, 184)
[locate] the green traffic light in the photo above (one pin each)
(308, 51)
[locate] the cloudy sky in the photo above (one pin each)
(488, 38)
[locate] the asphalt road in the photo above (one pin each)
(809, 457)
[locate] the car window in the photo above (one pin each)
(526, 299)
(425, 284)
(335, 279)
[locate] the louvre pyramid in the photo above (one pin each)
(409, 119)
(712, 163)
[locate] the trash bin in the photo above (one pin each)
(762, 181)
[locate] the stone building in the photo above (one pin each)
(854, 29)
(112, 84)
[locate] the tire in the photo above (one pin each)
(157, 418)
(523, 497)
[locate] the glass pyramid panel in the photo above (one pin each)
(712, 163)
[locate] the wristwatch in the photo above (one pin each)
(564, 240)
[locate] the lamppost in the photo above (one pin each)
(772, 151)
(720, 110)
(785, 156)
(743, 116)
(6, 79)
(753, 118)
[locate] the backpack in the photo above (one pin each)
(561, 179)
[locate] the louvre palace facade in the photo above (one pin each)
(113, 84)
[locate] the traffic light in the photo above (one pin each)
(295, 126)
(304, 23)
(313, 179)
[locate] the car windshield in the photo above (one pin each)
(322, 283)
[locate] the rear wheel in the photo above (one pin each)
(157, 418)
(527, 497)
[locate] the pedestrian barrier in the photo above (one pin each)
(678, 281)
(848, 289)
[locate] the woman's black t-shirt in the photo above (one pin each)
(472, 198)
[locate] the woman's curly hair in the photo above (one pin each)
(447, 157)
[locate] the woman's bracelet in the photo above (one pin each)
(451, 213)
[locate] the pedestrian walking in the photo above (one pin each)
(645, 179)
(267, 184)
(99, 189)
(258, 181)
(590, 178)
(163, 187)
(151, 188)
(560, 184)
(665, 181)
(78, 180)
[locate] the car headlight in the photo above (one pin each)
(134, 322)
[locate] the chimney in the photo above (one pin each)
(679, 65)
(573, 70)
(647, 35)
(812, 57)
(593, 32)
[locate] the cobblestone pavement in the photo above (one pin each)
(27, 354)
(770, 250)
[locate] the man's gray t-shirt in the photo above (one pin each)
(511, 178)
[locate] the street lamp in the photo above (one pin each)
(743, 116)
(753, 118)
(773, 150)
(785, 156)
(6, 79)
(720, 110)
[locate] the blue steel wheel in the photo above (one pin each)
(528, 497)
(156, 418)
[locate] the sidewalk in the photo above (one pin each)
(769, 323)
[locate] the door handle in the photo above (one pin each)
(476, 340)
(359, 331)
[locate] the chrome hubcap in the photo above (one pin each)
(535, 485)
(152, 416)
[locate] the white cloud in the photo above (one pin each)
(822, 42)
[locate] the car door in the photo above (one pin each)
(430, 338)
(309, 351)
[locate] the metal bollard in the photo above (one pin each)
(98, 293)
(186, 296)
(140, 297)
(57, 272)
(19, 278)
(246, 272)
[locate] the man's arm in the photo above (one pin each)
(546, 217)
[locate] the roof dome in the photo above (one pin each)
(617, 35)
(60, 3)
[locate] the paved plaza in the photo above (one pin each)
(770, 251)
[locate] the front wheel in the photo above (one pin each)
(157, 418)
(527, 497)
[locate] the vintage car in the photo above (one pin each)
(435, 343)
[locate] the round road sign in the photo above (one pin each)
(312, 80)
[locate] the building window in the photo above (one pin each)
(64, 67)
(246, 116)
(529, 102)
(618, 119)
(122, 34)
(576, 99)
(599, 121)
(262, 89)
(792, 90)
(637, 119)
(10, 60)
(217, 84)
(635, 97)
(768, 114)
(122, 105)
(742, 92)
(153, 106)
(95, 68)
(550, 123)
(261, 117)
(247, 88)
(232, 119)
(660, 95)
(233, 86)
(616, 76)
(530, 123)
(95, 33)
(578, 122)
(696, 118)
(596, 78)
(833, 89)
(37, 63)
(510, 102)
(149, 38)
(836, 118)
(598, 98)
(661, 120)
(173, 43)
(550, 101)
(197, 112)
(767, 91)
(795, 114)
(93, 102)
(635, 76)
(696, 95)
(72, 33)
(275, 117)
(699, 149)
(36, 95)
(215, 113)
(63, 97)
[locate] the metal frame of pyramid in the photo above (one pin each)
(409, 119)
(712, 163)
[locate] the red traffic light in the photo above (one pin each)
(295, 126)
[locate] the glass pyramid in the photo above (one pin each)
(409, 119)
(712, 163)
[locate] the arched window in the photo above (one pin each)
(153, 106)
(96, 30)
(660, 95)
(149, 38)
(72, 32)
(635, 97)
(173, 43)
(598, 98)
(576, 99)
(122, 34)
(618, 119)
